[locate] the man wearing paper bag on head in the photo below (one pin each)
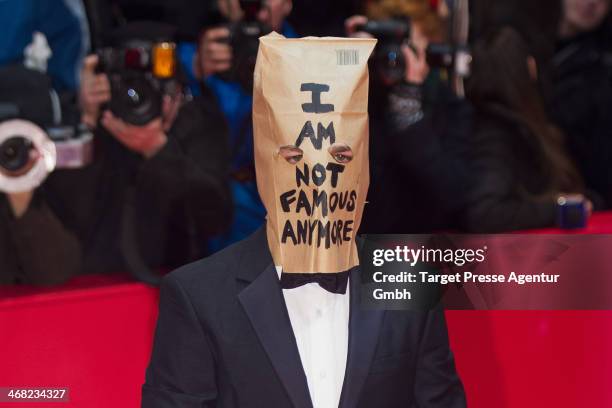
(276, 320)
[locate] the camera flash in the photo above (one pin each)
(164, 60)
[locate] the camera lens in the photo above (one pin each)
(389, 64)
(15, 153)
(136, 96)
(135, 100)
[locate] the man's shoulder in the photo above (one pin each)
(211, 268)
(219, 267)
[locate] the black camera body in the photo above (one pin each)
(73, 147)
(453, 58)
(244, 40)
(140, 74)
(389, 64)
(36, 134)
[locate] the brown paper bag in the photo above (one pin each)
(310, 120)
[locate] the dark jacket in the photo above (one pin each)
(510, 172)
(224, 339)
(420, 174)
(36, 248)
(128, 211)
(581, 107)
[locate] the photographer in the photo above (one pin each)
(226, 68)
(583, 90)
(419, 130)
(158, 185)
(35, 247)
(523, 171)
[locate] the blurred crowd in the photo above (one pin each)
(486, 116)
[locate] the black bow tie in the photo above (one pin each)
(332, 282)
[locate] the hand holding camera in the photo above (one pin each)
(417, 67)
(35, 137)
(215, 53)
(133, 84)
(150, 138)
(146, 140)
(95, 91)
(230, 51)
(401, 52)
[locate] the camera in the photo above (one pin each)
(453, 58)
(140, 72)
(33, 139)
(389, 64)
(15, 152)
(244, 40)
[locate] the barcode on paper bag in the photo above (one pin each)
(347, 57)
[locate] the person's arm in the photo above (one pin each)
(437, 383)
(191, 169)
(495, 205)
(43, 252)
(181, 373)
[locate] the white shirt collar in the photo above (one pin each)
(279, 270)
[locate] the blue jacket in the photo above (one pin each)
(236, 104)
(63, 22)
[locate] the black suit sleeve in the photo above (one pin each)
(437, 384)
(181, 373)
(36, 248)
(496, 203)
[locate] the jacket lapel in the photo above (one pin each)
(364, 328)
(265, 306)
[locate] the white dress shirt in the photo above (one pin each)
(320, 322)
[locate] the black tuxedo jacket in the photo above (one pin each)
(224, 339)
